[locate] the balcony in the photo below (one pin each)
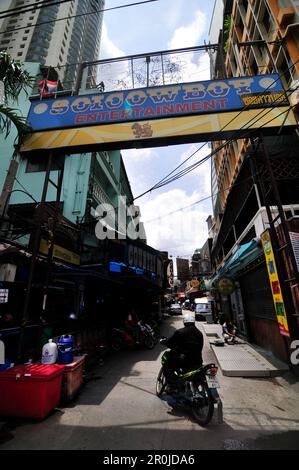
(285, 16)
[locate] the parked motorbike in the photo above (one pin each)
(142, 335)
(120, 338)
(146, 335)
(196, 389)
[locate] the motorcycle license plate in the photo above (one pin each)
(212, 382)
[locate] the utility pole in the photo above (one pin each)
(35, 250)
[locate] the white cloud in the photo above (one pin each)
(139, 154)
(203, 171)
(108, 48)
(181, 232)
(193, 66)
(187, 36)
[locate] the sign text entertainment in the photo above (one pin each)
(157, 102)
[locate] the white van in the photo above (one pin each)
(203, 309)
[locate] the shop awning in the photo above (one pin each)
(245, 254)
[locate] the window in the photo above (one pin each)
(27, 31)
(20, 54)
(39, 163)
(22, 46)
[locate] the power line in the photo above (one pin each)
(80, 15)
(196, 202)
(162, 183)
(207, 157)
(30, 7)
(238, 114)
(218, 148)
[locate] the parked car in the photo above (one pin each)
(203, 310)
(175, 309)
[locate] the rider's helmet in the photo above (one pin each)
(189, 318)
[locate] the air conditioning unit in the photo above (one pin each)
(294, 96)
(285, 16)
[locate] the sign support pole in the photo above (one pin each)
(35, 251)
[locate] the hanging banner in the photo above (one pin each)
(275, 284)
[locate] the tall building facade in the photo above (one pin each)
(54, 35)
(256, 38)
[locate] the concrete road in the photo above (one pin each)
(118, 409)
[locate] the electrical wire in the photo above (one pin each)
(78, 16)
(30, 7)
(237, 115)
(207, 157)
(164, 181)
(197, 202)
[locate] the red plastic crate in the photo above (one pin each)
(30, 391)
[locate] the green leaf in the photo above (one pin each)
(9, 116)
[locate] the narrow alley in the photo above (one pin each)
(118, 409)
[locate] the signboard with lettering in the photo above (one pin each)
(204, 97)
(60, 253)
(226, 286)
(275, 284)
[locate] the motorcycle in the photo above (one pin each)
(146, 335)
(142, 335)
(196, 389)
(120, 339)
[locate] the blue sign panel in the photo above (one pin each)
(157, 102)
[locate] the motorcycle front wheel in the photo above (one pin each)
(202, 405)
(161, 383)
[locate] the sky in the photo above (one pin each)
(164, 25)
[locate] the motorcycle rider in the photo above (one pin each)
(185, 348)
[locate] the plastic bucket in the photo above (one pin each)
(65, 347)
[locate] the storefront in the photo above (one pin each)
(250, 303)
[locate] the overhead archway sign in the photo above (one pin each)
(164, 115)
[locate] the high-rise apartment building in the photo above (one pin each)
(52, 35)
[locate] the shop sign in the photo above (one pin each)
(169, 274)
(275, 284)
(4, 296)
(195, 98)
(60, 253)
(140, 258)
(226, 286)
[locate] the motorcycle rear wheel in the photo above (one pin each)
(161, 383)
(203, 414)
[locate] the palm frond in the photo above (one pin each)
(13, 76)
(9, 116)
